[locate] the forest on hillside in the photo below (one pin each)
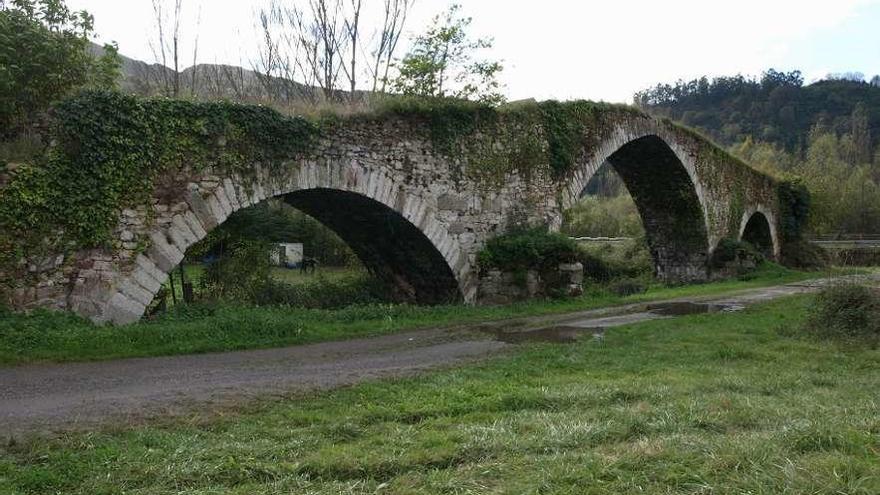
(776, 107)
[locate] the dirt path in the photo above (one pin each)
(61, 396)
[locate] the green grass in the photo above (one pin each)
(328, 273)
(703, 404)
(50, 336)
(324, 274)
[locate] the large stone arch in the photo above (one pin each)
(758, 227)
(363, 205)
(664, 183)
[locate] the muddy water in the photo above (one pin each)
(595, 327)
(683, 308)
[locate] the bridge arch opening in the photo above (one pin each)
(390, 247)
(668, 205)
(757, 233)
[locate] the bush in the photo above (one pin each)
(804, 254)
(241, 274)
(322, 293)
(525, 249)
(606, 262)
(628, 287)
(731, 251)
(847, 312)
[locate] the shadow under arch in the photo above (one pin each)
(389, 245)
(757, 232)
(669, 206)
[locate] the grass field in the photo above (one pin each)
(194, 273)
(722, 403)
(47, 336)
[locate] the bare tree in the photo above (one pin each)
(167, 51)
(316, 40)
(276, 66)
(321, 33)
(393, 23)
(352, 25)
(194, 80)
(322, 43)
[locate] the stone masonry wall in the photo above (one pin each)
(392, 162)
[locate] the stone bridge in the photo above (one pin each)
(416, 193)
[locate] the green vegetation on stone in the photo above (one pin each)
(524, 249)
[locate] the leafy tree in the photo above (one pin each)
(861, 135)
(845, 195)
(764, 156)
(44, 56)
(441, 63)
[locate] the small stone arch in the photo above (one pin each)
(757, 228)
(395, 233)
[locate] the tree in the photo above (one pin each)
(861, 135)
(441, 63)
(310, 42)
(44, 56)
(325, 44)
(389, 35)
(166, 49)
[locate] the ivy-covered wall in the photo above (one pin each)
(94, 224)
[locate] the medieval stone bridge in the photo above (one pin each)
(416, 206)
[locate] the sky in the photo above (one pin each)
(567, 49)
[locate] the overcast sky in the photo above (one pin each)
(564, 49)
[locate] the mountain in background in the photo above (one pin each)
(210, 82)
(777, 108)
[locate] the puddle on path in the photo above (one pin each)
(595, 327)
(682, 308)
(558, 335)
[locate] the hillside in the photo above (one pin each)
(776, 108)
(209, 81)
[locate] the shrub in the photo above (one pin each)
(322, 293)
(526, 249)
(731, 251)
(847, 312)
(607, 262)
(803, 254)
(628, 286)
(241, 273)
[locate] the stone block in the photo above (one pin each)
(452, 202)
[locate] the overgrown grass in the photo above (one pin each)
(327, 287)
(719, 403)
(218, 327)
(847, 313)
